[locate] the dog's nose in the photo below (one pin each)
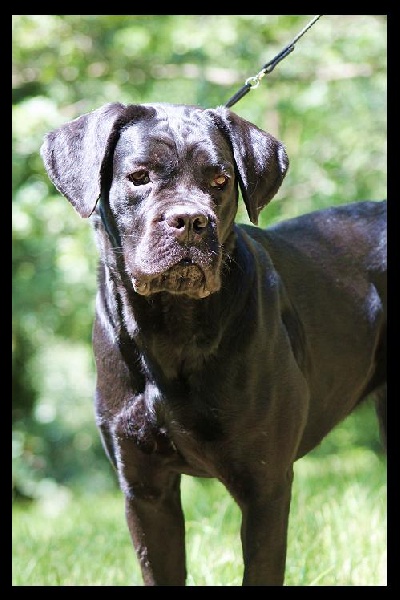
(187, 223)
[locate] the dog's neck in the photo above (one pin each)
(173, 332)
(191, 325)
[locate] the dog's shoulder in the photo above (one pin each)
(358, 227)
(368, 217)
(345, 243)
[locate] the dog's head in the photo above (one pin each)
(164, 180)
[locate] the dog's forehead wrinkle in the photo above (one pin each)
(191, 128)
(138, 142)
(176, 139)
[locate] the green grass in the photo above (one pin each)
(337, 529)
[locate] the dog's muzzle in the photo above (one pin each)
(180, 253)
(183, 278)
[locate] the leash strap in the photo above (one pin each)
(253, 82)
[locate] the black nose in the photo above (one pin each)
(187, 224)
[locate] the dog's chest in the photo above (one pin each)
(184, 373)
(174, 425)
(183, 402)
(178, 340)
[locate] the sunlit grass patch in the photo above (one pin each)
(337, 532)
(85, 543)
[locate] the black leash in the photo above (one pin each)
(253, 82)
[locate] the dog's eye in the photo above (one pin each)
(219, 181)
(140, 177)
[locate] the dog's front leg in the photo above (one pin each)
(265, 516)
(153, 511)
(144, 460)
(157, 529)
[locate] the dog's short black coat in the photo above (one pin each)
(222, 350)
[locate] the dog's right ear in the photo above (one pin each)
(76, 154)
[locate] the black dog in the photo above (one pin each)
(222, 350)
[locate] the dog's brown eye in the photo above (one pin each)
(219, 181)
(139, 177)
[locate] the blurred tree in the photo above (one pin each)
(326, 102)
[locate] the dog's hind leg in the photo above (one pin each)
(380, 406)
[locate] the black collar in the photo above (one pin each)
(108, 220)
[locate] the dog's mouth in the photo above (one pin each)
(185, 277)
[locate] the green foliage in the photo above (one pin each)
(326, 102)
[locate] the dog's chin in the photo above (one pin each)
(181, 279)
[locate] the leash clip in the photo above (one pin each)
(254, 81)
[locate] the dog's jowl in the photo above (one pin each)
(222, 350)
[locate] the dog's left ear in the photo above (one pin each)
(261, 160)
